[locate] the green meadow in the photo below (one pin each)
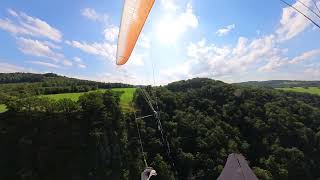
(311, 90)
(2, 108)
(125, 99)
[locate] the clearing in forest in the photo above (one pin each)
(125, 99)
(3, 108)
(311, 90)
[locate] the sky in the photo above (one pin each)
(229, 40)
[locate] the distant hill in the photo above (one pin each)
(25, 77)
(281, 83)
(20, 84)
(6, 78)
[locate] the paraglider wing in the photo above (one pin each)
(135, 13)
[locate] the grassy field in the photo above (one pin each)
(72, 96)
(125, 99)
(311, 90)
(2, 108)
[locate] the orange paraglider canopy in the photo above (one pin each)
(135, 13)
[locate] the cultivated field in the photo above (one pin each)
(311, 90)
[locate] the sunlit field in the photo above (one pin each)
(2, 108)
(125, 99)
(311, 90)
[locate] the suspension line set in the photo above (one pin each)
(157, 117)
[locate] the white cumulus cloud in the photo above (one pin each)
(273, 63)
(209, 60)
(305, 56)
(43, 49)
(137, 59)
(312, 73)
(67, 63)
(225, 30)
(276, 62)
(22, 24)
(170, 5)
(106, 50)
(10, 68)
(79, 62)
(292, 22)
(111, 33)
(144, 41)
(82, 66)
(38, 48)
(173, 25)
(45, 64)
(91, 14)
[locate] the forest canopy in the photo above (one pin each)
(204, 121)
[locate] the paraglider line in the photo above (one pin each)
(301, 13)
(309, 8)
(140, 141)
(145, 116)
(315, 3)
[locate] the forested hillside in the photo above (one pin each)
(204, 120)
(22, 84)
(282, 83)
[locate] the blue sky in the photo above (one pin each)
(228, 40)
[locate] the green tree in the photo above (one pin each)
(163, 169)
